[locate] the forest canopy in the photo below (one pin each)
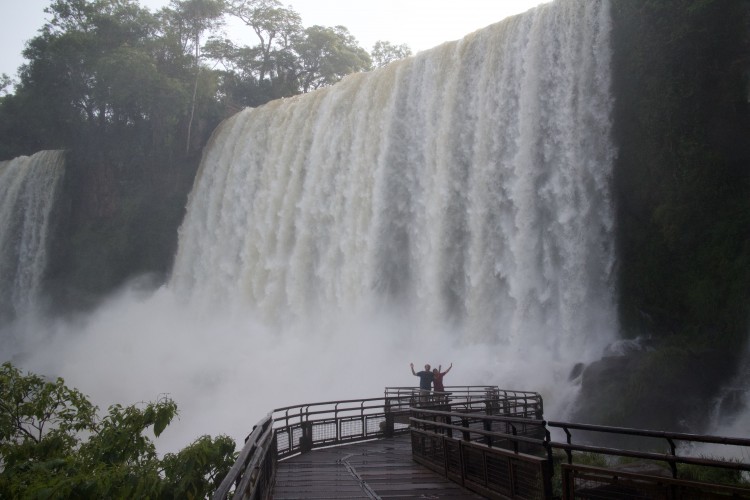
(54, 444)
(164, 78)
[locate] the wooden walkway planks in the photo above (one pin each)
(372, 469)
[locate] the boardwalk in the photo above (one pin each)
(490, 440)
(372, 469)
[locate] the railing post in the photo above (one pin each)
(487, 425)
(306, 440)
(673, 452)
(388, 430)
(568, 451)
(491, 401)
(539, 413)
(338, 424)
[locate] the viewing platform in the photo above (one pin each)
(469, 442)
(372, 469)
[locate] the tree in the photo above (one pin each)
(199, 467)
(90, 46)
(43, 424)
(5, 84)
(288, 59)
(39, 418)
(196, 17)
(274, 25)
(384, 52)
(326, 55)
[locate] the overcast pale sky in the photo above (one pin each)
(422, 24)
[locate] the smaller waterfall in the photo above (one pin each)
(731, 412)
(28, 189)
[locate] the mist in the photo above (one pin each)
(226, 370)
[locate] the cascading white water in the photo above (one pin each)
(466, 188)
(28, 187)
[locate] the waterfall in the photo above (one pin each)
(28, 187)
(467, 187)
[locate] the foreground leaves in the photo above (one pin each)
(53, 445)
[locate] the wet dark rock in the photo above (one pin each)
(661, 387)
(576, 371)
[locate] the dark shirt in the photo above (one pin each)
(425, 379)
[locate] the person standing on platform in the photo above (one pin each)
(425, 377)
(437, 378)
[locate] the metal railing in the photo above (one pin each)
(512, 457)
(585, 481)
(494, 442)
(514, 433)
(301, 428)
(466, 393)
(252, 475)
(485, 399)
(495, 456)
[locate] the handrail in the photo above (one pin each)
(482, 432)
(671, 458)
(463, 390)
(448, 388)
(497, 448)
(679, 436)
(496, 418)
(246, 457)
(322, 403)
(301, 428)
(507, 430)
(593, 479)
(649, 455)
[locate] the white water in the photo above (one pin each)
(452, 207)
(731, 415)
(28, 187)
(468, 187)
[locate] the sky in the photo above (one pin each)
(421, 24)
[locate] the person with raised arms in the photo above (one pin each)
(425, 377)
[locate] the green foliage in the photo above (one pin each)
(119, 437)
(384, 52)
(326, 55)
(288, 58)
(682, 177)
(53, 445)
(713, 475)
(5, 84)
(275, 27)
(559, 457)
(200, 467)
(39, 418)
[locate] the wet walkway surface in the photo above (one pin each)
(372, 469)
